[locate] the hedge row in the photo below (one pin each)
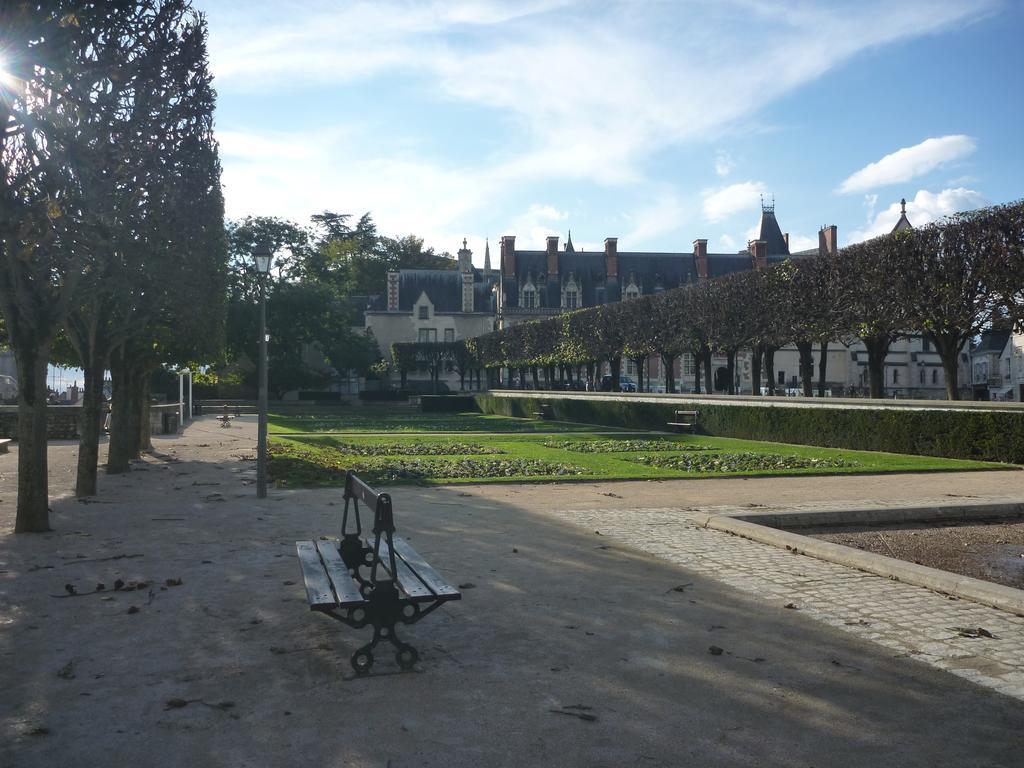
(447, 403)
(977, 435)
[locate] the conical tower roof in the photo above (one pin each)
(770, 232)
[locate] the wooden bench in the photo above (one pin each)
(378, 581)
(544, 411)
(684, 420)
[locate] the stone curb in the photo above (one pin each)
(994, 595)
(882, 515)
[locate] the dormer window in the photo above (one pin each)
(571, 294)
(528, 295)
(424, 312)
(632, 290)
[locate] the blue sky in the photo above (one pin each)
(654, 122)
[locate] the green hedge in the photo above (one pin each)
(447, 403)
(979, 435)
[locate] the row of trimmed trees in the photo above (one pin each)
(947, 281)
(112, 243)
(434, 357)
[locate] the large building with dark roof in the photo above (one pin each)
(537, 284)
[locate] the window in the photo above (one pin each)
(571, 299)
(424, 312)
(449, 334)
(630, 367)
(895, 375)
(687, 365)
(427, 334)
(935, 376)
(925, 345)
(782, 377)
(922, 376)
(529, 298)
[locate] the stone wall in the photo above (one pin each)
(62, 421)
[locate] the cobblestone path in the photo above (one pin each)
(907, 619)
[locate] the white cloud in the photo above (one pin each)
(925, 208)
(666, 213)
(592, 105)
(722, 202)
(724, 164)
(801, 243)
(909, 163)
(533, 226)
(729, 243)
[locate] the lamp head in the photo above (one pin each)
(262, 255)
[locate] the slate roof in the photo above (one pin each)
(443, 286)
(360, 305)
(444, 289)
(992, 341)
(770, 231)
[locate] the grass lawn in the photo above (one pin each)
(391, 446)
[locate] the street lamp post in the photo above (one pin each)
(262, 256)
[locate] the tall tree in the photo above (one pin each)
(950, 282)
(58, 68)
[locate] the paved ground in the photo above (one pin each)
(622, 627)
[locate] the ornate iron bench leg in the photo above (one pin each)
(384, 611)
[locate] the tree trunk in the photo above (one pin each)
(948, 347)
(822, 364)
(730, 357)
(590, 374)
(755, 369)
(769, 368)
(535, 376)
(522, 377)
(708, 383)
(33, 515)
(806, 349)
(125, 411)
(145, 442)
(615, 364)
(696, 373)
(668, 364)
(878, 348)
(89, 427)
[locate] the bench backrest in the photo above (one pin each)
(357, 490)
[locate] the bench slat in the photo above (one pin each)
(341, 579)
(318, 587)
(427, 575)
(407, 579)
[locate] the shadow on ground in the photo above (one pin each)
(231, 668)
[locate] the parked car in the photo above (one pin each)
(626, 384)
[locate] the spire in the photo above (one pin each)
(487, 257)
(904, 222)
(568, 244)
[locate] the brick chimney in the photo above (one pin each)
(392, 291)
(828, 240)
(700, 258)
(759, 253)
(467, 291)
(552, 243)
(508, 255)
(465, 258)
(611, 256)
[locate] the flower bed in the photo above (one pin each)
(414, 449)
(623, 446)
(740, 462)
